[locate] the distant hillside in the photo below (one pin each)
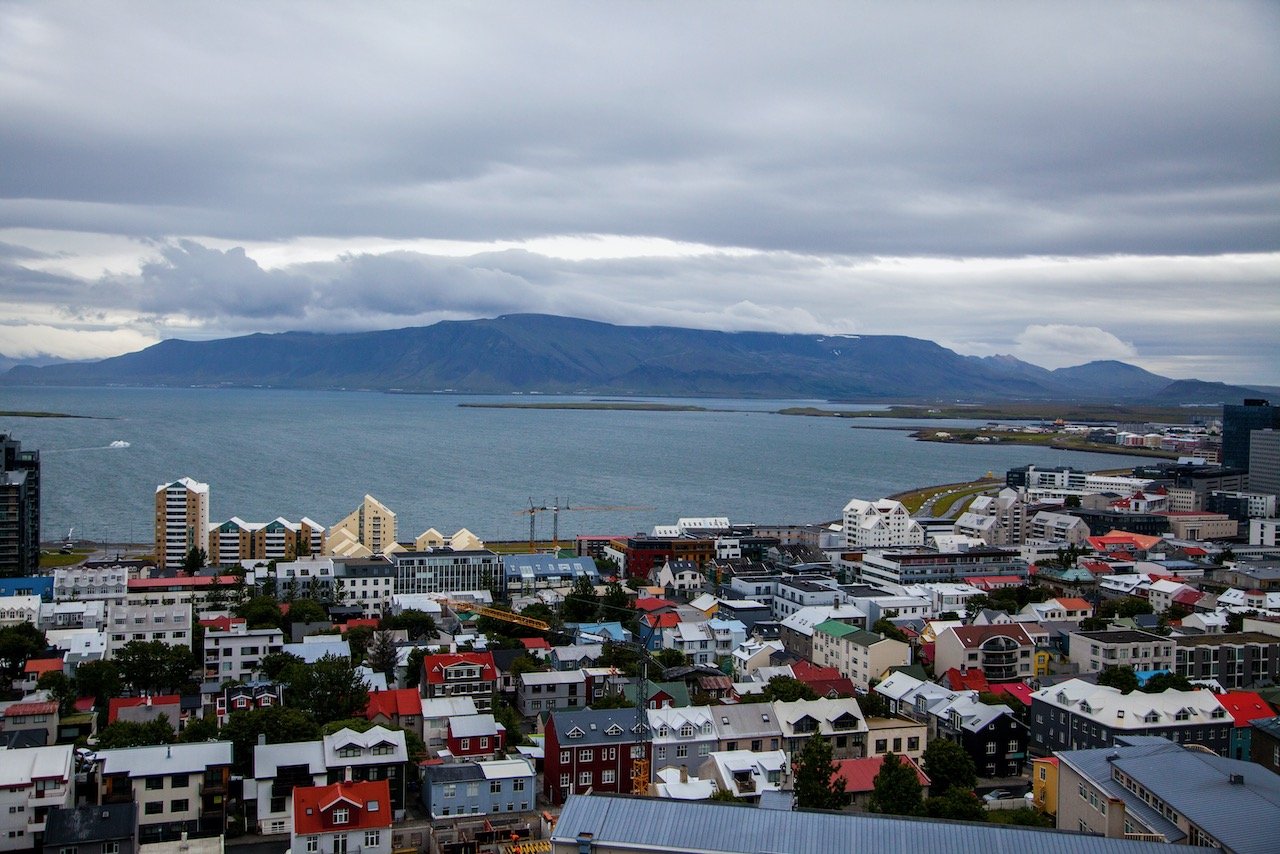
(564, 355)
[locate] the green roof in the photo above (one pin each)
(835, 628)
(678, 690)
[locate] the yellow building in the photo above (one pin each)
(370, 529)
(1044, 784)
(235, 540)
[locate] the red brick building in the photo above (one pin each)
(592, 749)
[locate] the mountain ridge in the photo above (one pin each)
(562, 355)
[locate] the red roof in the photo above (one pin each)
(42, 665)
(1075, 603)
(1188, 597)
(31, 709)
(359, 621)
(85, 704)
(434, 666)
(859, 774)
(1111, 539)
(1014, 689)
(1193, 551)
(973, 680)
(971, 637)
(115, 704)
(986, 582)
(222, 624)
(1245, 706)
(653, 604)
(180, 581)
(394, 703)
(1097, 567)
(663, 621)
(368, 804)
(1049, 760)
(535, 643)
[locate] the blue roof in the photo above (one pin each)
(706, 826)
(541, 565)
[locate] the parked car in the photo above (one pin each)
(997, 795)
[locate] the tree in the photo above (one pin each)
(786, 689)
(384, 654)
(1125, 606)
(527, 664)
(884, 626)
(278, 724)
(1165, 681)
(338, 592)
(359, 639)
(330, 689)
(136, 734)
(896, 789)
(17, 644)
(957, 805)
(817, 786)
(671, 658)
(948, 766)
(194, 560)
(306, 611)
(199, 729)
(416, 624)
(1122, 678)
(216, 596)
(413, 667)
(873, 705)
(1071, 501)
(613, 701)
(154, 667)
(616, 601)
(504, 714)
(622, 657)
(727, 796)
(1093, 624)
(261, 612)
(581, 604)
(60, 688)
(100, 680)
(276, 665)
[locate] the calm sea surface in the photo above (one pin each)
(268, 453)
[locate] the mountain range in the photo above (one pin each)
(560, 355)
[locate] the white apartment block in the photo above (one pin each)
(33, 780)
(182, 520)
(55, 616)
(880, 524)
(19, 609)
(369, 584)
(237, 653)
(169, 624)
(1264, 532)
(1049, 527)
(80, 584)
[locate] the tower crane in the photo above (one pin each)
(557, 508)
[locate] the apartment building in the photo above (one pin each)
(180, 788)
(377, 754)
(546, 691)
(368, 530)
(193, 590)
(368, 583)
(470, 674)
(860, 655)
(182, 521)
(901, 567)
(747, 726)
(837, 721)
(236, 540)
(744, 774)
(277, 770)
(1236, 660)
(444, 570)
(592, 749)
(33, 781)
(108, 584)
(879, 525)
(682, 737)
(168, 624)
(1004, 653)
(523, 575)
(1078, 715)
(19, 508)
(1094, 652)
(236, 653)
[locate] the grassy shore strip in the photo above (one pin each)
(1056, 441)
(17, 413)
(943, 506)
(1102, 413)
(914, 499)
(629, 407)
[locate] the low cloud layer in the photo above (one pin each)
(1062, 182)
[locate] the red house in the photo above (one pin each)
(475, 736)
(342, 818)
(471, 674)
(401, 707)
(592, 749)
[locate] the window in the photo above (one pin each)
(372, 838)
(450, 790)
(564, 780)
(882, 745)
(704, 749)
(153, 808)
(495, 786)
(342, 815)
(660, 752)
(1013, 745)
(584, 755)
(179, 781)
(473, 790)
(682, 750)
(991, 747)
(584, 779)
(154, 783)
(464, 744)
(609, 776)
(686, 731)
(913, 743)
(484, 742)
(111, 848)
(565, 757)
(340, 844)
(180, 805)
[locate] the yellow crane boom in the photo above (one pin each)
(498, 614)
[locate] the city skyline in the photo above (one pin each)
(1062, 184)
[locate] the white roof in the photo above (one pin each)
(552, 677)
(671, 785)
(365, 741)
(189, 758)
(502, 769)
(19, 767)
(1128, 711)
(473, 726)
(269, 757)
(803, 620)
(447, 707)
(313, 651)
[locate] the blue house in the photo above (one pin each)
(28, 585)
(479, 788)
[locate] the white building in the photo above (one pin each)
(237, 653)
(880, 524)
(109, 584)
(174, 785)
(19, 609)
(168, 624)
(33, 780)
(277, 769)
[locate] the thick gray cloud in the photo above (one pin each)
(815, 136)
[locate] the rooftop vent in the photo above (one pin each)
(1236, 779)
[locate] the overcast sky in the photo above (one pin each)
(1059, 181)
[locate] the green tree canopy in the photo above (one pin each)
(504, 714)
(896, 789)
(100, 680)
(330, 689)
(884, 626)
(581, 604)
(873, 705)
(135, 734)
(413, 667)
(384, 653)
(261, 612)
(199, 729)
(817, 787)
(948, 766)
(279, 724)
(17, 644)
(416, 624)
(785, 689)
(60, 687)
(612, 700)
(359, 639)
(306, 611)
(1122, 678)
(671, 658)
(1164, 681)
(154, 667)
(956, 804)
(194, 560)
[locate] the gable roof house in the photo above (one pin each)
(342, 817)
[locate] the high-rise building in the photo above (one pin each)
(182, 520)
(370, 529)
(1264, 462)
(1238, 422)
(19, 508)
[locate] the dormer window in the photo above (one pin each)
(1150, 718)
(341, 815)
(686, 731)
(1218, 713)
(575, 733)
(663, 731)
(1182, 715)
(613, 730)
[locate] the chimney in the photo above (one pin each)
(346, 774)
(262, 739)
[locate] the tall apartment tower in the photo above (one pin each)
(182, 520)
(370, 529)
(19, 508)
(1264, 462)
(1238, 422)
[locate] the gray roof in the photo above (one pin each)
(595, 725)
(452, 773)
(80, 825)
(1244, 817)
(655, 824)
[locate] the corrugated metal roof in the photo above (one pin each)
(650, 824)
